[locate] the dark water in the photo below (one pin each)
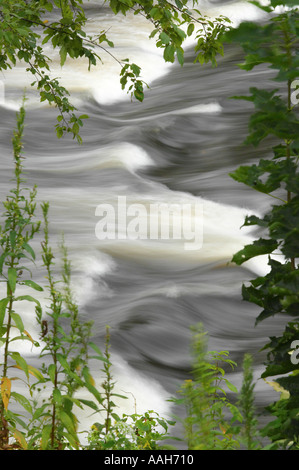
(150, 294)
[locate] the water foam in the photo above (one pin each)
(221, 225)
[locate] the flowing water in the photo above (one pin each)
(178, 146)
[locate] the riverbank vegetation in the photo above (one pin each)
(218, 416)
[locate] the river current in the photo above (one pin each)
(178, 146)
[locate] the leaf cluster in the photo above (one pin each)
(275, 118)
(28, 26)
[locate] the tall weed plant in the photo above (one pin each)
(64, 343)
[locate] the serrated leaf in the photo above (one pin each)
(258, 248)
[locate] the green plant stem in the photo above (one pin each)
(17, 159)
(48, 256)
(108, 386)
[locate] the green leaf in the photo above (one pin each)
(89, 403)
(52, 372)
(29, 298)
(18, 321)
(231, 386)
(41, 411)
(3, 331)
(180, 55)
(89, 385)
(3, 305)
(2, 259)
(169, 52)
(36, 373)
(164, 38)
(32, 284)
(46, 434)
(12, 238)
(59, 132)
(68, 421)
(29, 250)
(20, 361)
(12, 278)
(75, 128)
(63, 54)
(156, 13)
(23, 401)
(190, 29)
(139, 95)
(68, 370)
(98, 351)
(162, 423)
(57, 396)
(258, 247)
(48, 6)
